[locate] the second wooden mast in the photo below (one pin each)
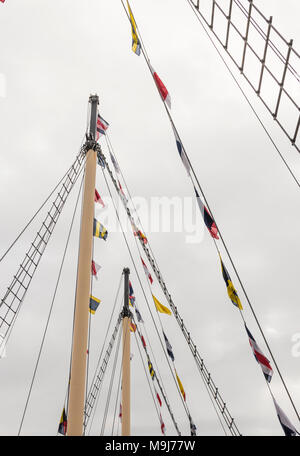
(126, 358)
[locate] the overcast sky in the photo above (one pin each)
(53, 55)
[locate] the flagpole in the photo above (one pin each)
(126, 358)
(80, 333)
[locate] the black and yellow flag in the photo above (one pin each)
(230, 288)
(136, 45)
(151, 370)
(99, 230)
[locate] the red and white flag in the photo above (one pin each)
(161, 87)
(158, 398)
(98, 198)
(147, 272)
(260, 357)
(95, 268)
(102, 126)
(162, 425)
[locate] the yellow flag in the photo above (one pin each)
(136, 45)
(180, 385)
(160, 307)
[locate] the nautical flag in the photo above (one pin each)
(162, 425)
(95, 268)
(230, 288)
(136, 45)
(99, 230)
(102, 126)
(143, 341)
(169, 348)
(180, 385)
(287, 426)
(138, 315)
(131, 295)
(122, 194)
(160, 307)
(142, 237)
(113, 160)
(161, 87)
(132, 327)
(158, 398)
(101, 162)
(192, 427)
(260, 357)
(62, 428)
(147, 272)
(152, 373)
(208, 220)
(182, 152)
(98, 198)
(94, 303)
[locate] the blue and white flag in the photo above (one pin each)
(182, 153)
(286, 425)
(169, 348)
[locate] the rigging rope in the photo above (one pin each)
(50, 310)
(111, 382)
(146, 374)
(35, 214)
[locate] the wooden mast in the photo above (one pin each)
(80, 333)
(126, 358)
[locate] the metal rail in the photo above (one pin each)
(271, 60)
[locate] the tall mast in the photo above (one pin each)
(81, 317)
(126, 358)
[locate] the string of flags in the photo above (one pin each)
(208, 220)
(212, 228)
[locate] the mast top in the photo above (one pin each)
(92, 129)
